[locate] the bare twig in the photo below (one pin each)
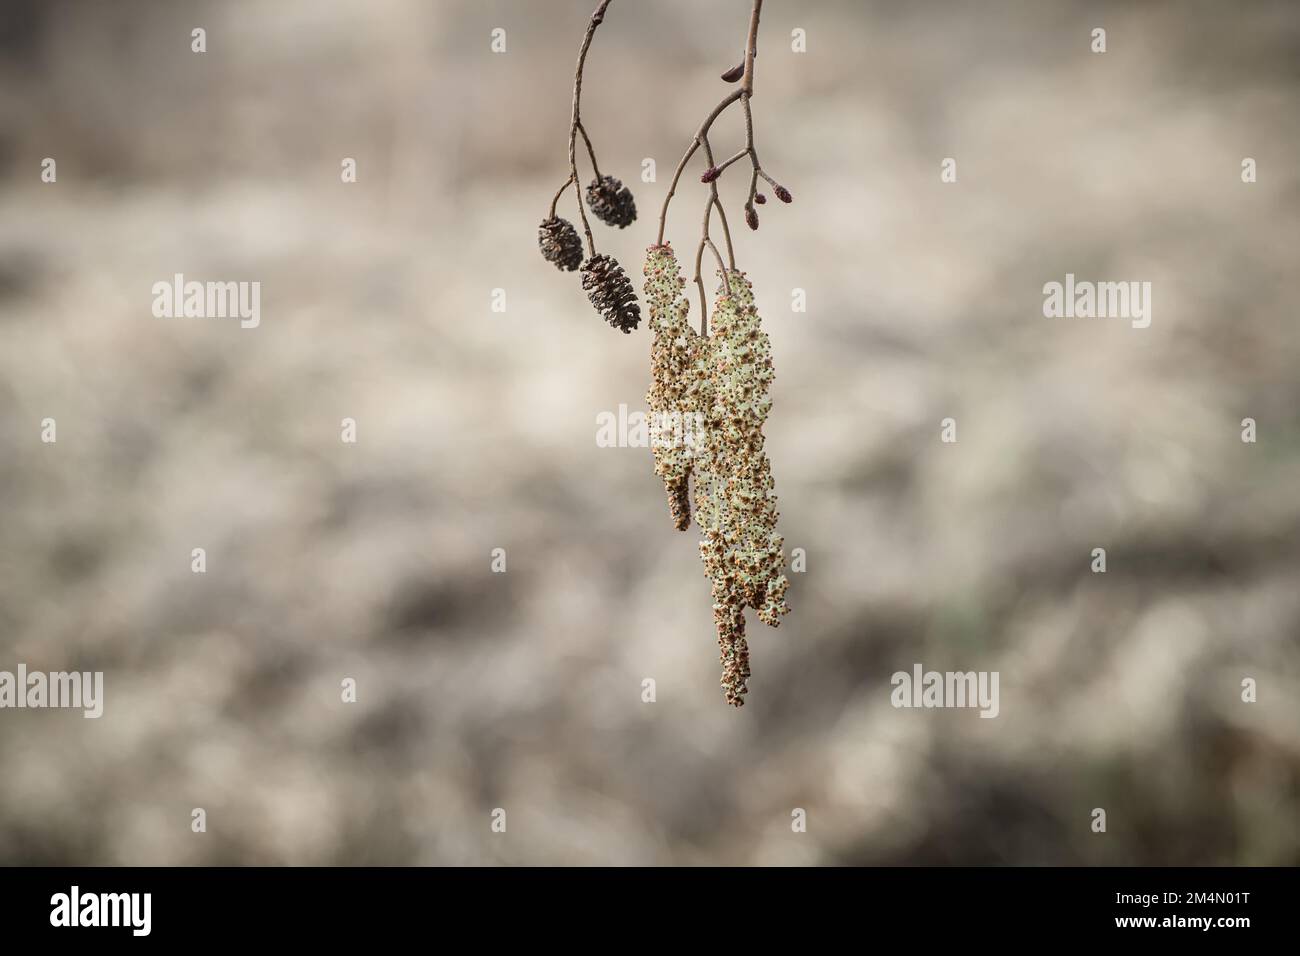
(558, 194)
(595, 167)
(740, 155)
(576, 127)
(690, 151)
(751, 49)
(753, 156)
(744, 93)
(705, 239)
(726, 232)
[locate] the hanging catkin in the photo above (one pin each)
(735, 505)
(674, 415)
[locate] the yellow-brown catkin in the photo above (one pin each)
(708, 400)
(674, 429)
(735, 505)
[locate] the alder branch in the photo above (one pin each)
(595, 166)
(705, 239)
(690, 151)
(745, 92)
(576, 127)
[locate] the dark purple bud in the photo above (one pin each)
(710, 174)
(783, 194)
(734, 74)
(751, 217)
(760, 198)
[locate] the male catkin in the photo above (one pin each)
(741, 374)
(724, 377)
(673, 407)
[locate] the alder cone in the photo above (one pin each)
(560, 244)
(611, 202)
(610, 291)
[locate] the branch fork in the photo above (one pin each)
(744, 74)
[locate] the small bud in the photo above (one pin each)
(734, 74)
(751, 217)
(783, 194)
(710, 174)
(760, 198)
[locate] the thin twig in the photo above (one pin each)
(721, 268)
(575, 126)
(690, 151)
(705, 239)
(714, 200)
(595, 167)
(699, 281)
(558, 195)
(751, 49)
(757, 169)
(726, 233)
(701, 138)
(753, 153)
(740, 155)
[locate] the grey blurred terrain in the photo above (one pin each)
(476, 431)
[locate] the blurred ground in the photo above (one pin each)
(476, 431)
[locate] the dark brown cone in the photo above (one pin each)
(751, 217)
(610, 291)
(611, 202)
(560, 244)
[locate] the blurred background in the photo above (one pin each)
(476, 430)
